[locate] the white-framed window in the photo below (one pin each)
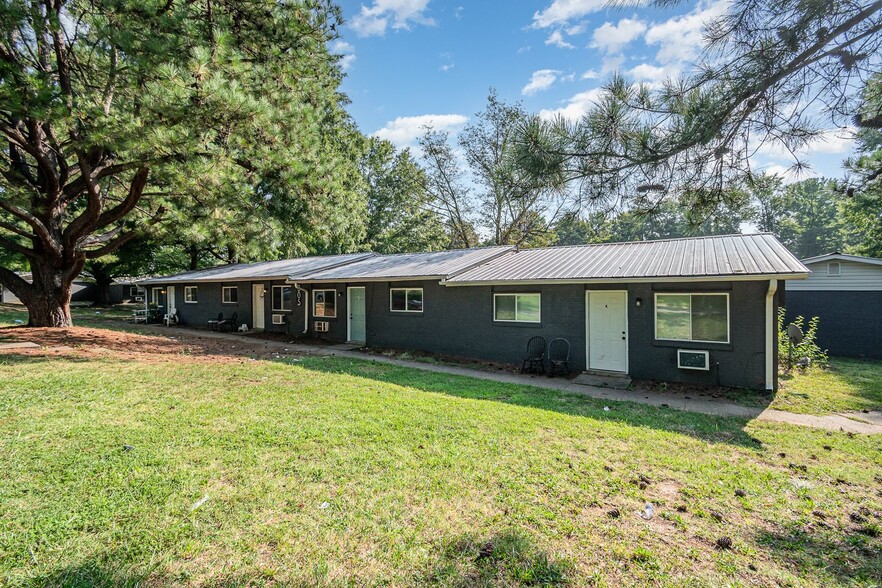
(324, 303)
(517, 308)
(191, 294)
(156, 295)
(281, 298)
(230, 294)
(135, 291)
(834, 269)
(406, 299)
(701, 317)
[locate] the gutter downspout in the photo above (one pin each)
(771, 334)
(305, 305)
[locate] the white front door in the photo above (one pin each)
(608, 330)
(170, 300)
(355, 303)
(258, 307)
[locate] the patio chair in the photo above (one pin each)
(536, 347)
(558, 357)
(212, 325)
(171, 318)
(229, 324)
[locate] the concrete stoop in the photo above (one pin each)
(604, 379)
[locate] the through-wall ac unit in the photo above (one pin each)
(322, 326)
(139, 299)
(278, 319)
(691, 359)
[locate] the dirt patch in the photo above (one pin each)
(89, 342)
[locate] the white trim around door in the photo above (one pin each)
(351, 313)
(258, 307)
(610, 330)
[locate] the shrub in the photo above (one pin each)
(807, 348)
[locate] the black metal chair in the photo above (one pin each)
(536, 348)
(230, 323)
(558, 356)
(213, 324)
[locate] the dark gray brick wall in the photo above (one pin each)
(851, 322)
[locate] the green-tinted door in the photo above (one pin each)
(356, 314)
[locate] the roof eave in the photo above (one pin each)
(678, 279)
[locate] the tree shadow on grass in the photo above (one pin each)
(853, 557)
(714, 429)
(505, 559)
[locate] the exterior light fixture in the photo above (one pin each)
(639, 302)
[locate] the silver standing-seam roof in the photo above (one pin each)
(264, 270)
(404, 266)
(716, 257)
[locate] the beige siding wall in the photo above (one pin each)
(853, 276)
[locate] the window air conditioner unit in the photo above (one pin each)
(690, 359)
(278, 319)
(322, 326)
(139, 299)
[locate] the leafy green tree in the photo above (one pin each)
(400, 217)
(447, 185)
(811, 223)
(121, 116)
(773, 71)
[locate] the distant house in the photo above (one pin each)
(697, 310)
(845, 292)
(82, 291)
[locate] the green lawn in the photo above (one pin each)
(223, 472)
(846, 385)
(83, 316)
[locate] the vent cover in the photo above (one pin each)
(690, 359)
(322, 326)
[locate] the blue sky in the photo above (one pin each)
(410, 63)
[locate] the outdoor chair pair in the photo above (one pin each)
(222, 324)
(556, 353)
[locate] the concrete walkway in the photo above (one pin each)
(711, 406)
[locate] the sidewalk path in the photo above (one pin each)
(711, 406)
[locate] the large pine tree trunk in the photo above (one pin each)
(48, 298)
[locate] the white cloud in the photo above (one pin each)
(830, 142)
(576, 29)
(457, 13)
(611, 63)
(561, 11)
(680, 38)
(346, 52)
(373, 20)
(590, 75)
(610, 37)
(540, 80)
(405, 130)
(575, 108)
(445, 67)
(652, 74)
(788, 174)
(556, 38)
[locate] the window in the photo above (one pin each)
(834, 269)
(135, 291)
(281, 297)
(191, 294)
(156, 295)
(692, 317)
(520, 308)
(324, 303)
(406, 299)
(230, 294)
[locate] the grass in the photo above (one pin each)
(188, 470)
(83, 316)
(845, 385)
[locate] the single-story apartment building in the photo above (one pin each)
(845, 292)
(82, 291)
(696, 310)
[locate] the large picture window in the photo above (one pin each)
(281, 298)
(517, 308)
(324, 303)
(191, 294)
(692, 317)
(406, 299)
(230, 294)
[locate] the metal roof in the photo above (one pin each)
(263, 270)
(438, 264)
(725, 256)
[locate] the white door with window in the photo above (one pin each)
(258, 307)
(170, 300)
(355, 304)
(608, 330)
